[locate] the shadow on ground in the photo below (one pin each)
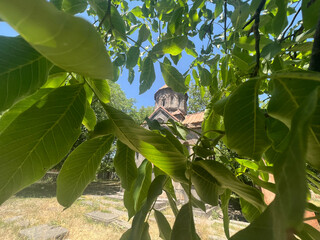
(48, 189)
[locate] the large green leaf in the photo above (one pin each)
(289, 91)
(69, 42)
(211, 120)
(144, 33)
(280, 21)
(173, 46)
(22, 70)
(225, 198)
(8, 117)
(147, 76)
(248, 211)
(132, 56)
(269, 225)
(206, 186)
(154, 147)
(228, 180)
(39, 138)
(173, 78)
(310, 13)
(100, 88)
(154, 191)
(124, 163)
(244, 121)
(183, 228)
(163, 225)
(141, 185)
(74, 6)
(290, 165)
(309, 233)
(80, 169)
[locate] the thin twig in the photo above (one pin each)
(293, 19)
(315, 56)
(105, 15)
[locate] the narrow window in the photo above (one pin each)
(163, 102)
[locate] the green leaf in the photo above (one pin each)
(90, 119)
(225, 198)
(218, 9)
(154, 191)
(280, 21)
(289, 91)
(69, 42)
(248, 210)
(144, 33)
(211, 120)
(74, 6)
(228, 180)
(141, 185)
(277, 133)
(22, 70)
(39, 138)
(147, 76)
(173, 78)
(270, 51)
(205, 76)
(145, 232)
(290, 165)
(8, 117)
(132, 56)
(124, 163)
(172, 204)
(128, 202)
(80, 169)
(175, 21)
(118, 25)
(163, 225)
(308, 232)
(206, 186)
(269, 225)
(194, 201)
(183, 228)
(244, 121)
(310, 13)
(131, 76)
(156, 148)
(248, 163)
(173, 46)
(100, 88)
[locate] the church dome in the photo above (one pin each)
(171, 100)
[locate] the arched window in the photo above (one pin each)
(163, 102)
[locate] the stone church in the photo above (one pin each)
(172, 105)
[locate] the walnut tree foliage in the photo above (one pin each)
(267, 50)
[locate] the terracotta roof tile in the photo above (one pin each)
(193, 118)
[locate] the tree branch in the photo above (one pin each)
(256, 17)
(293, 19)
(315, 56)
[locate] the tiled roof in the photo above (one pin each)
(193, 118)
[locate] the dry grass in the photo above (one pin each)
(46, 210)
